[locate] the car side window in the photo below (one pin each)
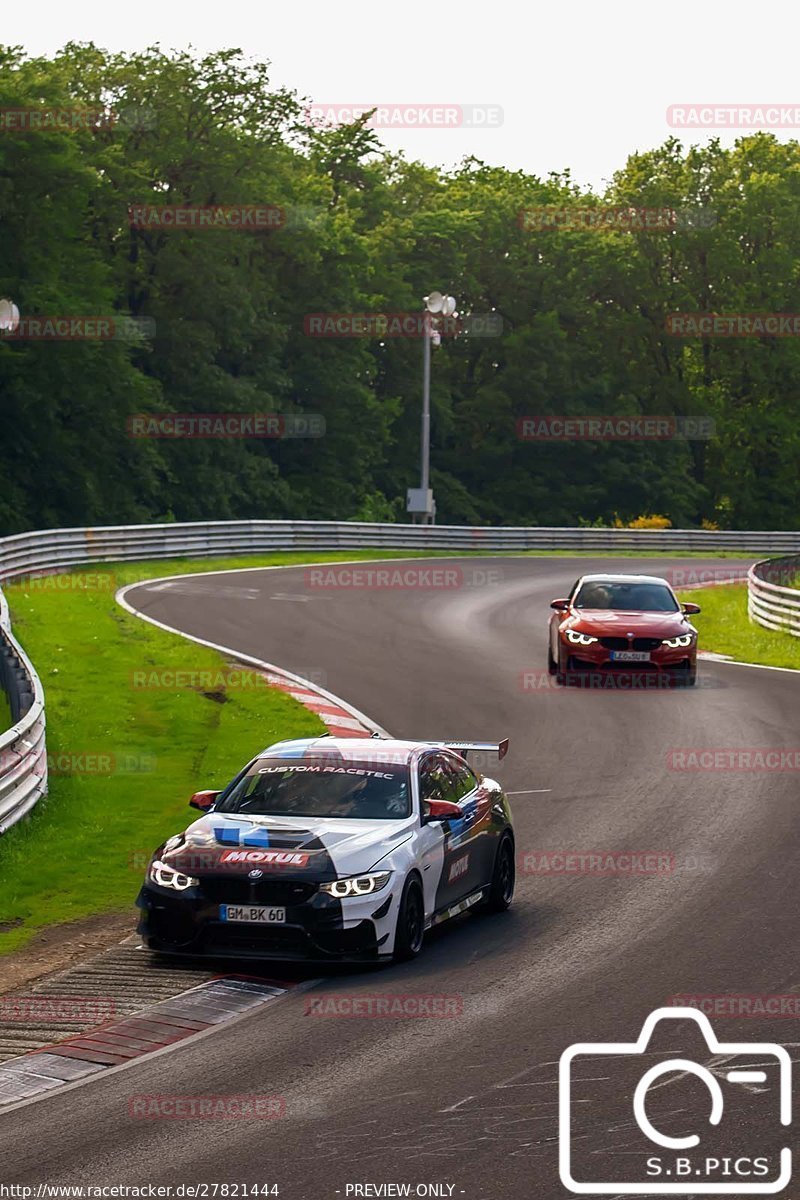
(460, 780)
(432, 779)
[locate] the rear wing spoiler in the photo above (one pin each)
(465, 748)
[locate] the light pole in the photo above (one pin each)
(421, 503)
(9, 316)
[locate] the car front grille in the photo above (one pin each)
(226, 889)
(639, 643)
(291, 942)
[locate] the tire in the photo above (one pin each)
(501, 889)
(410, 930)
(691, 677)
(561, 671)
(552, 665)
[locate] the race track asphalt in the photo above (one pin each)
(470, 1101)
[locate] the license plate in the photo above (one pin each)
(630, 656)
(252, 914)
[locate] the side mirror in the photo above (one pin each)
(559, 605)
(691, 609)
(440, 810)
(203, 800)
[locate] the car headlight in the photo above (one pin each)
(357, 885)
(684, 640)
(580, 639)
(167, 877)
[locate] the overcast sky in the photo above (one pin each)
(580, 85)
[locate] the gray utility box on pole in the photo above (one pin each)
(421, 501)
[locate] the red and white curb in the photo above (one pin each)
(157, 1027)
(333, 713)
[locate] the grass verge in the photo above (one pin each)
(725, 628)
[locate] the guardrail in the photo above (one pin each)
(23, 760)
(23, 770)
(774, 605)
(54, 549)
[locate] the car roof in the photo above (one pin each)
(366, 747)
(624, 579)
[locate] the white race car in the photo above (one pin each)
(343, 849)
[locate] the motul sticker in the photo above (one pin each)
(458, 868)
(268, 858)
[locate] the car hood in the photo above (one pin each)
(603, 622)
(318, 848)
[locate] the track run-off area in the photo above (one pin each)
(469, 1101)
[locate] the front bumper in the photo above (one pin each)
(597, 657)
(318, 927)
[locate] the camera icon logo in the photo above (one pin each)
(676, 1162)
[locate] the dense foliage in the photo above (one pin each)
(583, 315)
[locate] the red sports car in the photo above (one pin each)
(628, 622)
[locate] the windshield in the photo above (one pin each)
(629, 597)
(311, 787)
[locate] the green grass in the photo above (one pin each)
(724, 627)
(83, 849)
(5, 713)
